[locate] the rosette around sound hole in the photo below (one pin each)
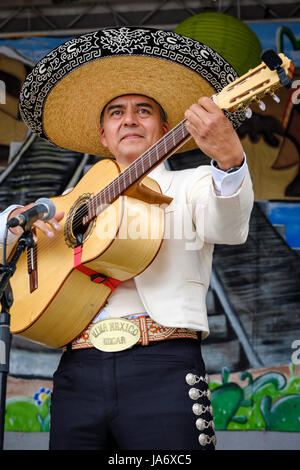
(76, 232)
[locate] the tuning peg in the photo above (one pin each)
(248, 113)
(262, 105)
(275, 98)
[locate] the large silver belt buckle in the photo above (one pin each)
(114, 334)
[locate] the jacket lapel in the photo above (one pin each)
(163, 177)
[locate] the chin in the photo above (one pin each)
(132, 158)
(134, 153)
(127, 159)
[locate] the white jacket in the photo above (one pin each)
(173, 288)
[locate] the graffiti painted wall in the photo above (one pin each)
(253, 352)
(262, 390)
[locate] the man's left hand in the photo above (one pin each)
(214, 134)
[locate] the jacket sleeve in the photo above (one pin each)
(11, 238)
(219, 219)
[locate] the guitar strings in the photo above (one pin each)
(124, 178)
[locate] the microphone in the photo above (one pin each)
(43, 209)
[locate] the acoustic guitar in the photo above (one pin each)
(54, 296)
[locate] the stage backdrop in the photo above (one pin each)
(253, 353)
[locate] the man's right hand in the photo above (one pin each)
(47, 228)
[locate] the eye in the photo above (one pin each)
(116, 112)
(144, 111)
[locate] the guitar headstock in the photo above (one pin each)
(255, 85)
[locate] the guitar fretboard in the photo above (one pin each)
(242, 92)
(140, 167)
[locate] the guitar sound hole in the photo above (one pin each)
(78, 228)
(76, 232)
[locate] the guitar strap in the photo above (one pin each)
(95, 277)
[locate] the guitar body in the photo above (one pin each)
(65, 300)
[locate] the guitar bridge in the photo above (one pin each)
(32, 267)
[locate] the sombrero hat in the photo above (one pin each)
(63, 96)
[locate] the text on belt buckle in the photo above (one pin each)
(114, 334)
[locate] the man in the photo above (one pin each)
(154, 395)
(158, 416)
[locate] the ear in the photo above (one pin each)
(165, 127)
(102, 136)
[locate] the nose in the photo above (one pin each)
(130, 118)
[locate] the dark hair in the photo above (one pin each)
(162, 112)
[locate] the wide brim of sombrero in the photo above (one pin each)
(62, 98)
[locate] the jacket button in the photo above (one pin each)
(194, 393)
(190, 379)
(200, 424)
(203, 439)
(197, 409)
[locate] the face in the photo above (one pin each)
(131, 124)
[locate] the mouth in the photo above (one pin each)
(132, 137)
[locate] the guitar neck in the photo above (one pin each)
(238, 95)
(144, 164)
(155, 155)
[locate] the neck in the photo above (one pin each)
(157, 153)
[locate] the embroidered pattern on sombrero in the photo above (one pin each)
(123, 41)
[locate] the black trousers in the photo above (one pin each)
(137, 399)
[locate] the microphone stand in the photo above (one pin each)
(6, 298)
